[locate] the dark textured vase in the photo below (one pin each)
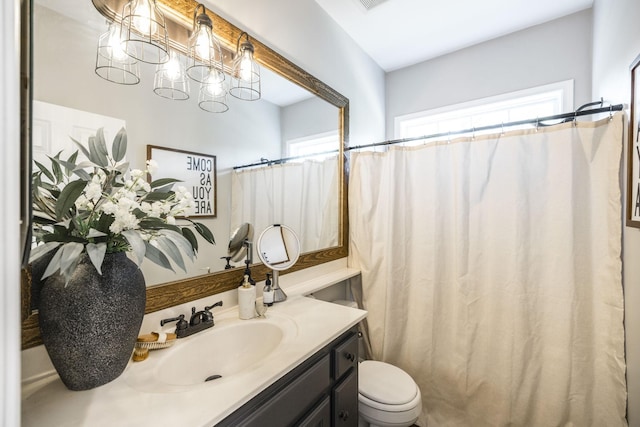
(89, 327)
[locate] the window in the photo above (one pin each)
(320, 144)
(521, 105)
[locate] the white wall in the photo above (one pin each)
(306, 35)
(547, 53)
(616, 43)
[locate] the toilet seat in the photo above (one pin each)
(384, 384)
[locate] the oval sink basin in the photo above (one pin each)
(229, 348)
(223, 352)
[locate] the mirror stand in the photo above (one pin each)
(278, 293)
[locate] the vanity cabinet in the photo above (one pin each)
(320, 392)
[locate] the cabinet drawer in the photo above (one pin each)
(294, 400)
(345, 397)
(345, 356)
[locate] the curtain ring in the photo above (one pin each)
(610, 112)
(537, 123)
(575, 118)
(502, 128)
(473, 133)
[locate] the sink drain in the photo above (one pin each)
(212, 377)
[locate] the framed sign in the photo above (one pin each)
(197, 172)
(633, 154)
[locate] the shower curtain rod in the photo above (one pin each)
(268, 162)
(566, 117)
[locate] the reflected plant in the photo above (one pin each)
(101, 206)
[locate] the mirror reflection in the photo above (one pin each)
(71, 99)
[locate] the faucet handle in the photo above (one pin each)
(181, 325)
(218, 304)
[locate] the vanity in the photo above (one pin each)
(307, 377)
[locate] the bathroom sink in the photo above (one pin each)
(229, 348)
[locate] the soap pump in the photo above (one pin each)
(267, 292)
(246, 299)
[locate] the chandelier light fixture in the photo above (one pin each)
(141, 35)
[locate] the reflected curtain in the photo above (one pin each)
(491, 271)
(302, 195)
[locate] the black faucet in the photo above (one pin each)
(200, 320)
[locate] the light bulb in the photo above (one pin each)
(144, 19)
(214, 84)
(203, 44)
(245, 71)
(114, 45)
(172, 69)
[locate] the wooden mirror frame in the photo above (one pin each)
(178, 292)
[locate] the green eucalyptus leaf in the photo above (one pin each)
(123, 167)
(82, 174)
(96, 253)
(54, 264)
(45, 171)
(155, 196)
(119, 146)
(180, 241)
(68, 197)
(95, 233)
(101, 143)
(169, 248)
(156, 256)
(95, 153)
(55, 167)
(137, 244)
(204, 231)
(188, 234)
(163, 181)
(82, 148)
(70, 253)
(41, 250)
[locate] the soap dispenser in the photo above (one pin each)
(247, 299)
(267, 292)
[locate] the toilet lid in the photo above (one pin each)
(385, 383)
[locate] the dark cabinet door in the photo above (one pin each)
(345, 397)
(319, 417)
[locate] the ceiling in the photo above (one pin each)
(399, 33)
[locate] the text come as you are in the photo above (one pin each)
(196, 171)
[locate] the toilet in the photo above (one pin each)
(387, 395)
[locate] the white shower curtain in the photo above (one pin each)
(492, 274)
(302, 195)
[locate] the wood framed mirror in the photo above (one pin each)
(182, 290)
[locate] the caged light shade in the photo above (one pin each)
(112, 62)
(212, 96)
(245, 73)
(144, 32)
(205, 51)
(171, 80)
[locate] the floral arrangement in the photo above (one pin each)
(100, 206)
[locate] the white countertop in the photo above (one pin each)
(48, 402)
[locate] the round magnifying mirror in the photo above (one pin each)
(237, 248)
(278, 247)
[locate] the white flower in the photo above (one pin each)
(171, 220)
(124, 220)
(93, 190)
(152, 166)
(137, 174)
